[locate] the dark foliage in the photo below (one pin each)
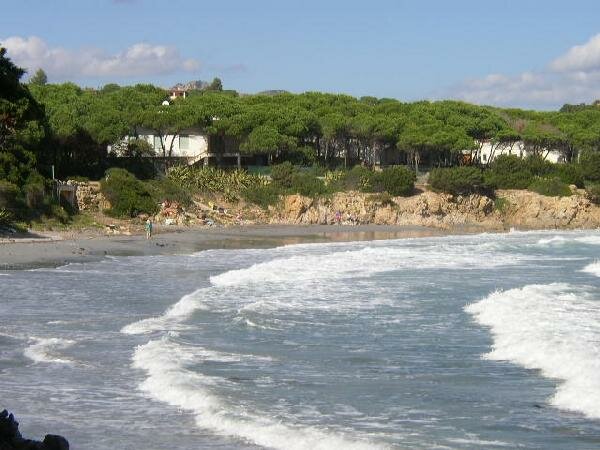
(457, 180)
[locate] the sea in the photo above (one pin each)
(488, 341)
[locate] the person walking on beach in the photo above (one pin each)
(148, 227)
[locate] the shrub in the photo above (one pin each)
(167, 189)
(569, 174)
(9, 193)
(501, 204)
(6, 218)
(590, 166)
(127, 195)
(302, 156)
(261, 195)
(396, 180)
(509, 172)
(383, 198)
(358, 178)
(457, 180)
(307, 184)
(592, 191)
(283, 174)
(210, 179)
(34, 189)
(552, 187)
(538, 166)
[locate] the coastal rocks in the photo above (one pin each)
(530, 210)
(11, 439)
(294, 206)
(511, 208)
(88, 196)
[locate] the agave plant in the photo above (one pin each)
(210, 179)
(6, 217)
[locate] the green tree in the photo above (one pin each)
(215, 85)
(39, 78)
(22, 125)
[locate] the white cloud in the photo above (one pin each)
(573, 77)
(59, 63)
(584, 57)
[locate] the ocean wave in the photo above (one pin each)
(47, 350)
(178, 312)
(170, 381)
(562, 239)
(593, 268)
(364, 262)
(554, 328)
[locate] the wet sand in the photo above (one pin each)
(54, 250)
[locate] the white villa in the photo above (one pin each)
(192, 146)
(490, 150)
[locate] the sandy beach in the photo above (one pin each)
(48, 250)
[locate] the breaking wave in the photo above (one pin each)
(47, 350)
(593, 268)
(554, 328)
(362, 263)
(169, 380)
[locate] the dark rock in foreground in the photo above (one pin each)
(11, 439)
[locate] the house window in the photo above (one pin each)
(484, 157)
(184, 142)
(157, 145)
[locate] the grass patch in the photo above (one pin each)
(501, 204)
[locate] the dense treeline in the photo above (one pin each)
(310, 128)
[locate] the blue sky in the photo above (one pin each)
(516, 53)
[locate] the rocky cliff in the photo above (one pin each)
(518, 209)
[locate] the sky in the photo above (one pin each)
(536, 54)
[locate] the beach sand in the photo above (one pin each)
(54, 249)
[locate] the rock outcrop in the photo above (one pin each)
(518, 209)
(11, 439)
(88, 196)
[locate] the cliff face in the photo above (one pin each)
(519, 209)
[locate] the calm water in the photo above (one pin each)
(487, 341)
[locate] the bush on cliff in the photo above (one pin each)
(570, 174)
(590, 166)
(307, 184)
(127, 195)
(282, 175)
(9, 194)
(167, 189)
(457, 180)
(509, 172)
(395, 180)
(552, 187)
(261, 195)
(358, 178)
(592, 192)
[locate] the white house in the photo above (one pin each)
(490, 150)
(191, 145)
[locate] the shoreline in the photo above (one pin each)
(55, 250)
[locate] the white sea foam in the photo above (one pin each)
(47, 350)
(180, 311)
(593, 268)
(554, 328)
(170, 381)
(361, 263)
(552, 240)
(563, 239)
